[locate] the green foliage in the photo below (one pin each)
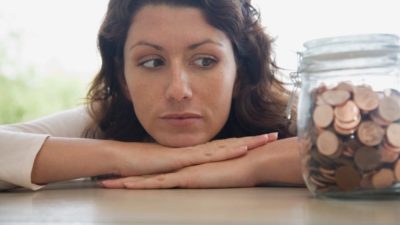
(27, 96)
(24, 95)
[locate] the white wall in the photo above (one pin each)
(61, 34)
(293, 22)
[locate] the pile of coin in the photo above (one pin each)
(353, 139)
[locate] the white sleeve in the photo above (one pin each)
(20, 143)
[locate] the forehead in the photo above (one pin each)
(165, 22)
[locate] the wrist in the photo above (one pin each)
(112, 157)
(278, 164)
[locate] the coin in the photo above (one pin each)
(378, 119)
(335, 97)
(350, 146)
(347, 112)
(370, 133)
(384, 178)
(320, 101)
(389, 109)
(390, 147)
(345, 86)
(387, 155)
(350, 125)
(366, 182)
(365, 98)
(367, 158)
(341, 130)
(321, 159)
(393, 134)
(328, 174)
(327, 143)
(347, 178)
(323, 116)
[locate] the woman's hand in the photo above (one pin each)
(276, 162)
(153, 159)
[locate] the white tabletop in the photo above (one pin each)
(83, 203)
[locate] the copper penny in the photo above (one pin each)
(388, 156)
(390, 147)
(350, 147)
(384, 178)
(327, 171)
(378, 119)
(324, 180)
(321, 88)
(370, 133)
(328, 143)
(397, 170)
(320, 159)
(393, 134)
(320, 101)
(345, 86)
(329, 178)
(365, 98)
(348, 152)
(323, 116)
(367, 158)
(341, 130)
(366, 182)
(347, 178)
(336, 97)
(350, 125)
(389, 109)
(347, 112)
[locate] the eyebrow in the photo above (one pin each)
(190, 47)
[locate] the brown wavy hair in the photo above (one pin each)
(259, 101)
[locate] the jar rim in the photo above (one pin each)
(353, 51)
(349, 39)
(351, 45)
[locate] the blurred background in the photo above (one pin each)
(48, 52)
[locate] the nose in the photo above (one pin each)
(178, 88)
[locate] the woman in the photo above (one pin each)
(180, 82)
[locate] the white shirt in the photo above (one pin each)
(20, 143)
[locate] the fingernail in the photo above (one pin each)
(243, 148)
(266, 136)
(273, 135)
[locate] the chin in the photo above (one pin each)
(178, 141)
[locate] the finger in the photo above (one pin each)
(204, 154)
(112, 184)
(118, 183)
(161, 181)
(257, 141)
(213, 175)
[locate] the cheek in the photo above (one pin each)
(140, 94)
(219, 92)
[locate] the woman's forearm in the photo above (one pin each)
(69, 158)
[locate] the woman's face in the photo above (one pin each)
(179, 72)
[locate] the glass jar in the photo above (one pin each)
(349, 115)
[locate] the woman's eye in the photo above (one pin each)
(152, 63)
(205, 62)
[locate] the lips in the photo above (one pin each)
(181, 116)
(181, 119)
